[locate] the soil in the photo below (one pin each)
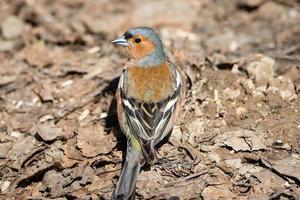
(238, 134)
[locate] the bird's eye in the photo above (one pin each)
(137, 40)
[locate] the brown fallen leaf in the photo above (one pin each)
(92, 140)
(12, 27)
(68, 162)
(288, 167)
(54, 153)
(219, 191)
(71, 151)
(57, 184)
(262, 69)
(68, 126)
(101, 182)
(82, 194)
(54, 181)
(38, 55)
(269, 182)
(87, 176)
(34, 171)
(34, 192)
(196, 130)
(244, 140)
(21, 151)
(21, 121)
(48, 132)
(45, 93)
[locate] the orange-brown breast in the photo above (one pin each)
(150, 84)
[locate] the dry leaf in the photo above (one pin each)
(21, 151)
(49, 133)
(92, 140)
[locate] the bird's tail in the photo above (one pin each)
(125, 188)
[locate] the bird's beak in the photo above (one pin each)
(121, 41)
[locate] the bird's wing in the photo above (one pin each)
(149, 123)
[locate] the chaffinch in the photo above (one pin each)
(149, 95)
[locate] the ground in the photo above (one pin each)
(238, 134)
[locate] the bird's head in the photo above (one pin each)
(144, 45)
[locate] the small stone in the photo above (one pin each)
(19, 104)
(285, 87)
(103, 115)
(93, 50)
(278, 143)
(46, 118)
(12, 27)
(38, 55)
(16, 134)
(235, 69)
(248, 86)
(4, 186)
(6, 45)
(66, 83)
(295, 155)
(83, 115)
(260, 91)
(231, 94)
(214, 157)
(262, 69)
(259, 105)
(288, 95)
(241, 112)
(286, 147)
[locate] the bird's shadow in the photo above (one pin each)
(111, 121)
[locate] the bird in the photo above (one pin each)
(149, 96)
